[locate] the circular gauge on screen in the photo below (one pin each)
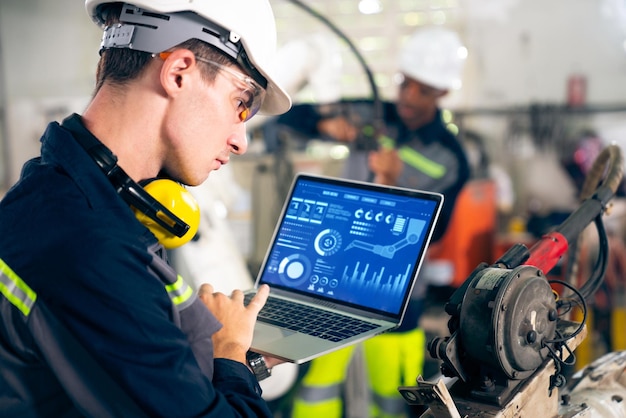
(294, 269)
(327, 242)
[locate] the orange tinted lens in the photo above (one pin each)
(244, 115)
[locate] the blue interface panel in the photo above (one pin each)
(359, 244)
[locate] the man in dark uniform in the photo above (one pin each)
(413, 149)
(94, 321)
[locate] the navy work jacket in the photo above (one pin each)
(101, 274)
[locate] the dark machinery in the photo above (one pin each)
(506, 320)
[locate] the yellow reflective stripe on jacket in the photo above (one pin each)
(421, 163)
(179, 291)
(414, 159)
(386, 142)
(15, 290)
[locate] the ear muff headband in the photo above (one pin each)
(171, 230)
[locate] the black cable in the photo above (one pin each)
(601, 183)
(558, 380)
(583, 306)
(555, 346)
(599, 269)
(378, 121)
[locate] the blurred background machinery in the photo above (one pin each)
(531, 120)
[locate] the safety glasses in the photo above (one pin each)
(252, 94)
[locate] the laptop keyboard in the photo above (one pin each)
(308, 320)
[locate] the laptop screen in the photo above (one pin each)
(349, 242)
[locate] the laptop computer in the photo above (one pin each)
(343, 252)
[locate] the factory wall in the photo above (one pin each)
(521, 53)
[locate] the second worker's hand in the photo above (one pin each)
(233, 340)
(338, 128)
(386, 165)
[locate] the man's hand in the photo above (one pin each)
(234, 339)
(272, 361)
(386, 166)
(338, 128)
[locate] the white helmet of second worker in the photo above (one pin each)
(245, 30)
(434, 56)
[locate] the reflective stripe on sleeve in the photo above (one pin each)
(315, 394)
(15, 290)
(180, 292)
(420, 162)
(390, 406)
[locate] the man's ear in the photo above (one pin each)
(177, 66)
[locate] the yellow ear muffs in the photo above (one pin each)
(174, 197)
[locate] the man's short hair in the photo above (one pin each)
(121, 65)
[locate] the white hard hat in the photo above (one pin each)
(434, 56)
(243, 29)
